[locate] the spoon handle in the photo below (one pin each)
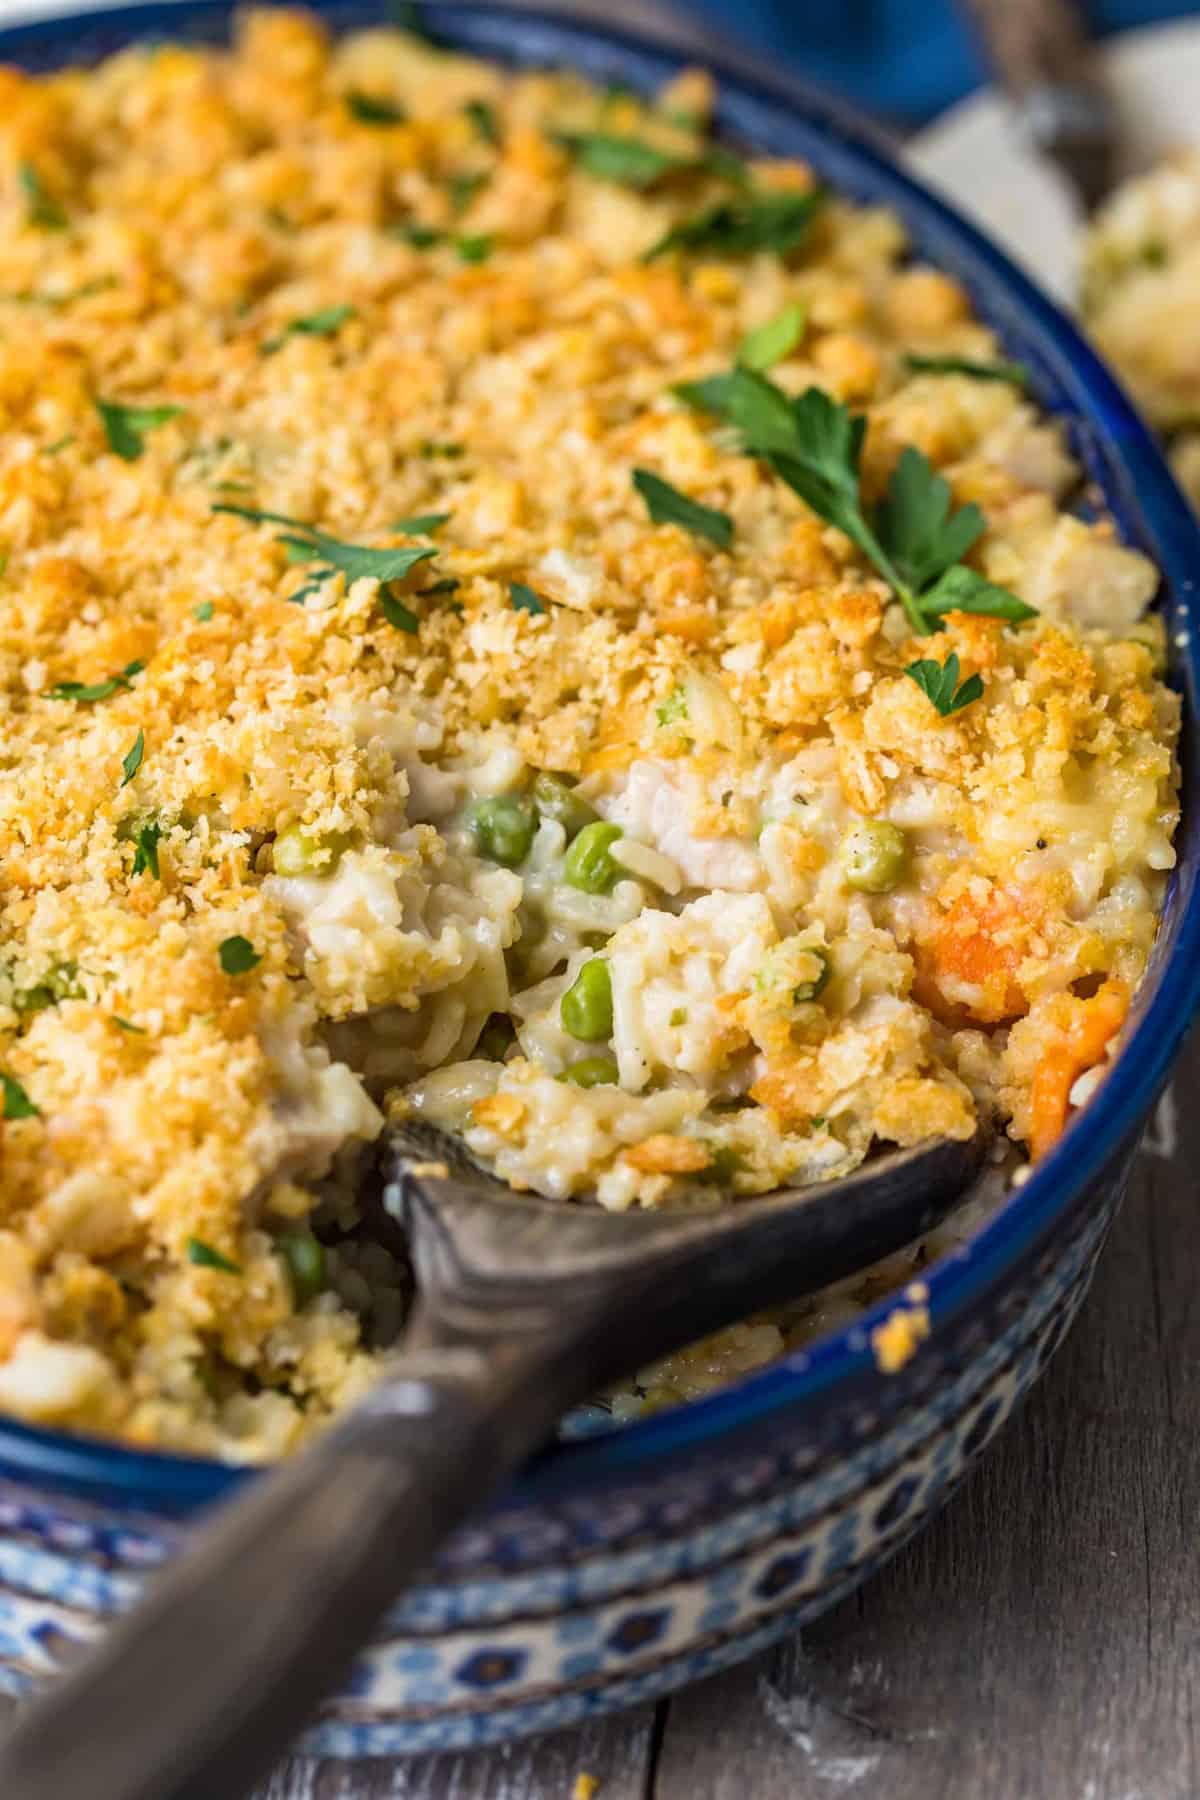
(204, 1686)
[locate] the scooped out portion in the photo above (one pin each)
(516, 613)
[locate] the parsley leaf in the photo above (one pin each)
(421, 237)
(420, 524)
(85, 693)
(736, 227)
(916, 525)
(523, 599)
(399, 615)
(127, 1025)
(482, 115)
(772, 342)
(462, 189)
(475, 249)
(939, 683)
(203, 612)
(41, 208)
(327, 322)
(960, 589)
(914, 540)
(145, 858)
(372, 109)
(1014, 372)
(205, 1257)
(673, 709)
(17, 1104)
(131, 762)
(667, 506)
(627, 160)
(125, 427)
(305, 543)
(238, 955)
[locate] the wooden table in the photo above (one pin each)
(1040, 1641)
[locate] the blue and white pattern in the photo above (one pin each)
(482, 1658)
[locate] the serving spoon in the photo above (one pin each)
(525, 1308)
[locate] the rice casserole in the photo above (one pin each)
(513, 612)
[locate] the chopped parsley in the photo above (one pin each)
(475, 249)
(914, 538)
(979, 370)
(146, 840)
(523, 599)
(205, 1257)
(673, 709)
(60, 982)
(421, 237)
(432, 449)
(17, 1104)
(420, 524)
(399, 615)
(778, 222)
(372, 109)
(86, 693)
(238, 955)
(128, 1025)
(772, 342)
(482, 115)
(939, 683)
(327, 322)
(627, 160)
(667, 506)
(41, 208)
(305, 543)
(131, 762)
(462, 189)
(125, 427)
(58, 444)
(203, 612)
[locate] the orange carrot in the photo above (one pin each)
(1082, 1043)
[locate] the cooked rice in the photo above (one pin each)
(364, 309)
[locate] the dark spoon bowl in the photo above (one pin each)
(622, 1565)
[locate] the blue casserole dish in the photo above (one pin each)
(622, 1565)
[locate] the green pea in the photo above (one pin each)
(503, 826)
(305, 1259)
(555, 798)
(300, 852)
(592, 1071)
(588, 863)
(587, 1006)
(809, 990)
(874, 856)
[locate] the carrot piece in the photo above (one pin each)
(1092, 1025)
(978, 942)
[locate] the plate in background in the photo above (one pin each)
(975, 155)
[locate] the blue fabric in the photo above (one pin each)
(903, 59)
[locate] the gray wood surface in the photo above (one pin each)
(1040, 1641)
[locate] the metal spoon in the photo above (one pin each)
(526, 1307)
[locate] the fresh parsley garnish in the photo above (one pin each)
(523, 599)
(145, 857)
(203, 612)
(475, 249)
(673, 709)
(399, 615)
(667, 506)
(86, 693)
(772, 342)
(205, 1257)
(777, 222)
(939, 683)
(125, 427)
(448, 585)
(915, 539)
(131, 762)
(327, 322)
(238, 955)
(421, 237)
(421, 524)
(41, 208)
(372, 109)
(305, 543)
(482, 115)
(1013, 372)
(450, 452)
(627, 160)
(17, 1104)
(58, 444)
(462, 189)
(127, 1025)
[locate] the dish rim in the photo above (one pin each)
(1140, 491)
